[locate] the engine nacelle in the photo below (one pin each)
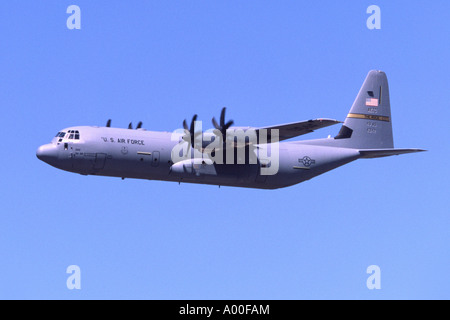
(195, 167)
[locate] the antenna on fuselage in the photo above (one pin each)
(108, 123)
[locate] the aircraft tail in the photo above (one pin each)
(369, 124)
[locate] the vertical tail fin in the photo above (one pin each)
(368, 124)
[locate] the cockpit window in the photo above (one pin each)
(74, 134)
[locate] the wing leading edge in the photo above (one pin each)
(291, 130)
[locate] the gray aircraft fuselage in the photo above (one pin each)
(143, 154)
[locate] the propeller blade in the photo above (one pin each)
(189, 132)
(194, 118)
(108, 123)
(185, 126)
(222, 117)
(222, 126)
(215, 124)
(229, 124)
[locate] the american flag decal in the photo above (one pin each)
(372, 102)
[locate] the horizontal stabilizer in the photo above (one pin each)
(291, 130)
(378, 153)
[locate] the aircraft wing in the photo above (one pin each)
(290, 130)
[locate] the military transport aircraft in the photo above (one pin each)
(249, 157)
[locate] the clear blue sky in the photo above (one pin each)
(268, 62)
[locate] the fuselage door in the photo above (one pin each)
(100, 160)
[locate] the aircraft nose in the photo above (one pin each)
(47, 153)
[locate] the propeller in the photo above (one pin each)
(130, 125)
(222, 126)
(189, 132)
(108, 123)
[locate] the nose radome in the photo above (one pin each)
(40, 152)
(47, 153)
